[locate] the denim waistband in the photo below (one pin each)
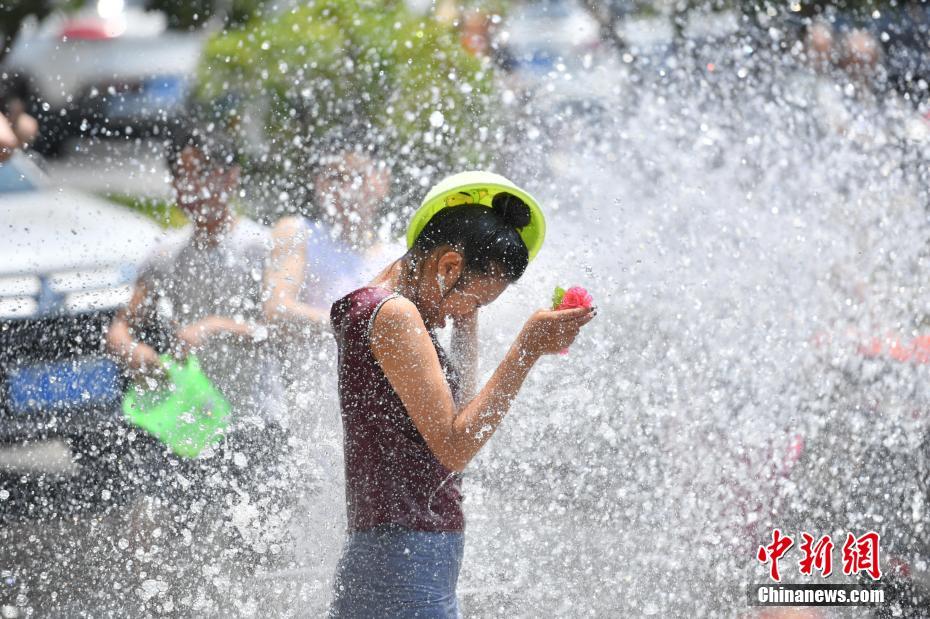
(391, 571)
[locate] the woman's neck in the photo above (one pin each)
(403, 278)
(397, 277)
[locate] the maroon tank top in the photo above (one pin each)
(392, 475)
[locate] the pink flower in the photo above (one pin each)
(576, 296)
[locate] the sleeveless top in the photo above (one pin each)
(333, 268)
(391, 474)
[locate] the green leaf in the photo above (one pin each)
(557, 296)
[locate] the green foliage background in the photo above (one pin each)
(360, 71)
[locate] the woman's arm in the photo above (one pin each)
(284, 276)
(141, 358)
(9, 142)
(404, 349)
(465, 352)
(195, 334)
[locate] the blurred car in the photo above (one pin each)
(542, 35)
(108, 70)
(901, 32)
(67, 261)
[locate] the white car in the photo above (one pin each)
(64, 250)
(67, 262)
(110, 69)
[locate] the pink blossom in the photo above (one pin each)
(576, 296)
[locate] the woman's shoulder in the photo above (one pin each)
(394, 318)
(289, 227)
(359, 305)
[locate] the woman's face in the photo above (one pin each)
(477, 291)
(461, 293)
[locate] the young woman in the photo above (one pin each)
(410, 425)
(315, 262)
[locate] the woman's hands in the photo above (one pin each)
(547, 332)
(196, 334)
(193, 336)
(142, 360)
(145, 366)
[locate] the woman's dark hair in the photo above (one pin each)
(486, 237)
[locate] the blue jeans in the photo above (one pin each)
(390, 571)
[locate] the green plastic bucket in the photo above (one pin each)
(478, 188)
(187, 415)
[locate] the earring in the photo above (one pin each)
(442, 286)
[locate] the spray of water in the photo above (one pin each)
(744, 223)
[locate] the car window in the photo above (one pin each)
(14, 179)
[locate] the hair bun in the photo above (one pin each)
(511, 209)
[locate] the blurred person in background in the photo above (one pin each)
(205, 282)
(316, 261)
(479, 35)
(17, 128)
(820, 46)
(841, 87)
(203, 286)
(861, 57)
(319, 256)
(475, 30)
(9, 142)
